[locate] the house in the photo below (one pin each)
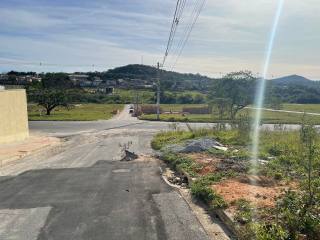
(79, 79)
(105, 89)
(96, 82)
(85, 83)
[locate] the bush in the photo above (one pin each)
(178, 161)
(203, 192)
(244, 211)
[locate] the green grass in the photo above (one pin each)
(179, 161)
(312, 108)
(80, 112)
(179, 107)
(201, 190)
(267, 116)
(165, 138)
(287, 155)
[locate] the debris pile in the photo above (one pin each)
(181, 180)
(129, 156)
(226, 164)
(196, 146)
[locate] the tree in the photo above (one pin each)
(220, 105)
(50, 99)
(57, 80)
(12, 79)
(185, 98)
(198, 99)
(238, 88)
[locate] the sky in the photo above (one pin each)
(96, 35)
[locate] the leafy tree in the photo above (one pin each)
(50, 99)
(220, 105)
(12, 79)
(185, 98)
(238, 88)
(57, 80)
(198, 98)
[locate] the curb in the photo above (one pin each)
(220, 213)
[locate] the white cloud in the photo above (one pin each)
(22, 19)
(230, 34)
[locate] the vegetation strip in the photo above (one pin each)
(279, 200)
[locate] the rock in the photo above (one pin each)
(129, 156)
(183, 185)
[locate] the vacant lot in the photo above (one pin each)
(267, 116)
(78, 112)
(275, 197)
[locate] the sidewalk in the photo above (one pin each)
(15, 151)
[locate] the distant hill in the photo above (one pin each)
(296, 89)
(295, 80)
(169, 80)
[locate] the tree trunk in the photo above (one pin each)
(48, 112)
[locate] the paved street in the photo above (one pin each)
(82, 190)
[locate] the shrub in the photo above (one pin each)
(182, 162)
(205, 193)
(244, 211)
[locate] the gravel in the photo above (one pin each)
(196, 145)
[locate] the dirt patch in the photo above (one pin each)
(203, 158)
(207, 162)
(15, 151)
(145, 158)
(249, 188)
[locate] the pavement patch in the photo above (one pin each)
(23, 224)
(174, 210)
(122, 170)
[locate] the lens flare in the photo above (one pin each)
(259, 98)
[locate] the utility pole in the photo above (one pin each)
(158, 91)
(136, 103)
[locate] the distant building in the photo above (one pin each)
(96, 82)
(79, 79)
(4, 79)
(105, 89)
(85, 83)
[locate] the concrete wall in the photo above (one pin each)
(13, 116)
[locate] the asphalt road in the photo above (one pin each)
(82, 190)
(123, 121)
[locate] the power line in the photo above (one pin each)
(175, 22)
(188, 26)
(185, 37)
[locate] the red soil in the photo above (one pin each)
(260, 194)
